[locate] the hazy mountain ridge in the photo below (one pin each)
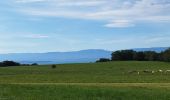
(156, 49)
(82, 56)
(90, 55)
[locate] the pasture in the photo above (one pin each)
(92, 81)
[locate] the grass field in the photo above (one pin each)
(85, 92)
(99, 81)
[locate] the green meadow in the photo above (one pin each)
(92, 81)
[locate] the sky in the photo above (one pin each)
(71, 25)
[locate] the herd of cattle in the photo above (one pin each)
(150, 71)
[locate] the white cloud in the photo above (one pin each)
(81, 3)
(119, 13)
(139, 41)
(158, 39)
(29, 1)
(120, 24)
(20, 35)
(36, 36)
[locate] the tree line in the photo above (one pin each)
(12, 63)
(131, 55)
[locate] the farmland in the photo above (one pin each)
(92, 81)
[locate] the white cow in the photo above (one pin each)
(153, 72)
(167, 71)
(160, 70)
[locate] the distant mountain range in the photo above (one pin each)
(82, 56)
(156, 49)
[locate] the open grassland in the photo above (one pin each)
(93, 81)
(85, 92)
(111, 72)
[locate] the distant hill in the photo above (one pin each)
(83, 56)
(156, 49)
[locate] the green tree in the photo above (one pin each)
(103, 60)
(123, 55)
(53, 66)
(139, 56)
(166, 55)
(151, 56)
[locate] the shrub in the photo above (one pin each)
(9, 63)
(53, 66)
(34, 64)
(103, 60)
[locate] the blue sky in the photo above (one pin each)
(69, 25)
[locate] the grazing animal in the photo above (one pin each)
(153, 72)
(147, 71)
(160, 71)
(138, 73)
(167, 71)
(134, 71)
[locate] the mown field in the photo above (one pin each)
(93, 81)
